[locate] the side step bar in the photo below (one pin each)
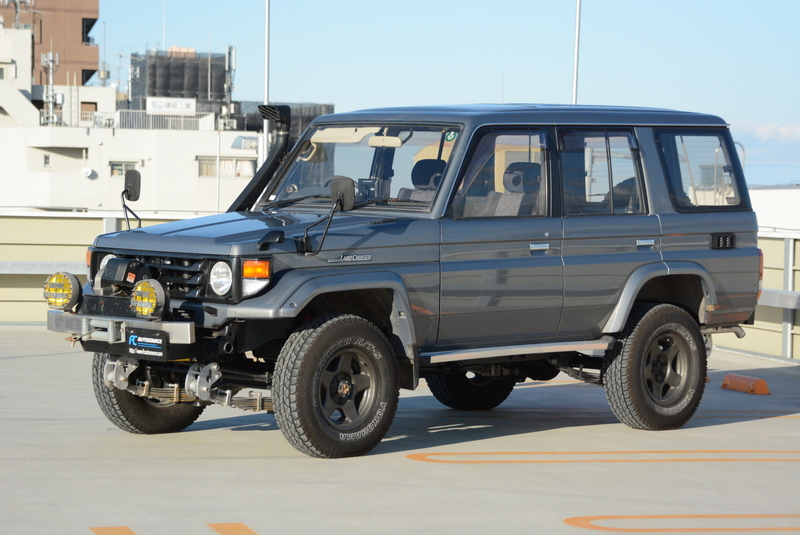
(507, 351)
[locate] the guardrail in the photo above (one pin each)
(30, 241)
(776, 331)
(133, 119)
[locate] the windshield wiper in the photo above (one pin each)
(287, 202)
(367, 203)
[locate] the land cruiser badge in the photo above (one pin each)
(351, 258)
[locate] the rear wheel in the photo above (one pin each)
(655, 373)
(467, 391)
(335, 387)
(136, 414)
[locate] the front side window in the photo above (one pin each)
(395, 165)
(506, 176)
(599, 173)
(699, 172)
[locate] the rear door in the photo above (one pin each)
(608, 233)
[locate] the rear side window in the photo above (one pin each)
(699, 171)
(599, 173)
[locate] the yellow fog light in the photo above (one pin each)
(62, 291)
(148, 299)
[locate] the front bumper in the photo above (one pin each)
(111, 330)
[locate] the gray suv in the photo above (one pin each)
(474, 247)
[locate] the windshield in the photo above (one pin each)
(397, 165)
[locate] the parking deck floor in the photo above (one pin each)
(551, 459)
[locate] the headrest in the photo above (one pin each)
(522, 177)
(427, 174)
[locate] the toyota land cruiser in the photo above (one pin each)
(473, 246)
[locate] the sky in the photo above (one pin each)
(739, 59)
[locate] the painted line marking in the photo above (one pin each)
(666, 456)
(232, 529)
(588, 522)
(222, 529)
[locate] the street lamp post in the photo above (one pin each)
(577, 48)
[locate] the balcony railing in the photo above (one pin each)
(132, 119)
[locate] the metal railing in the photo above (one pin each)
(136, 119)
(133, 119)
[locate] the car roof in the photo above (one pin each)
(557, 114)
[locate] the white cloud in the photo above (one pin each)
(782, 133)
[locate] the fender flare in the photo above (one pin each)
(400, 319)
(648, 272)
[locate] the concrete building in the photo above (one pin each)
(74, 155)
(61, 27)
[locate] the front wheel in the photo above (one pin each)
(655, 373)
(136, 414)
(335, 387)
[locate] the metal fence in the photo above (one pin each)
(134, 119)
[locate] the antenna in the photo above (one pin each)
(50, 65)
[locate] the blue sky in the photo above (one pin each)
(739, 59)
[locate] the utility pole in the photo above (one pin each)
(264, 140)
(577, 48)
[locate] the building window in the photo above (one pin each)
(228, 167)
(119, 168)
(47, 160)
(2, 73)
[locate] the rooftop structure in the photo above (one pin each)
(61, 27)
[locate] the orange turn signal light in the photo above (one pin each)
(256, 269)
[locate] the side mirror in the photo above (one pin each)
(343, 189)
(133, 185)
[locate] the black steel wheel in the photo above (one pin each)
(139, 415)
(467, 391)
(655, 373)
(335, 387)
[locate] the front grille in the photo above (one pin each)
(184, 278)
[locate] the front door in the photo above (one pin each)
(501, 263)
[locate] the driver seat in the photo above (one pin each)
(426, 176)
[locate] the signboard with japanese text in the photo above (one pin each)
(171, 106)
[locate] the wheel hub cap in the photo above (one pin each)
(341, 388)
(659, 369)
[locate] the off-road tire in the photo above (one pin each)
(139, 415)
(476, 393)
(655, 373)
(335, 387)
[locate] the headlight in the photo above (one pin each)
(149, 299)
(221, 278)
(62, 291)
(255, 276)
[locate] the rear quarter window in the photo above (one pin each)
(701, 174)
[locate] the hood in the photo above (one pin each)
(238, 233)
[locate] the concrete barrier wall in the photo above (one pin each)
(34, 245)
(776, 332)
